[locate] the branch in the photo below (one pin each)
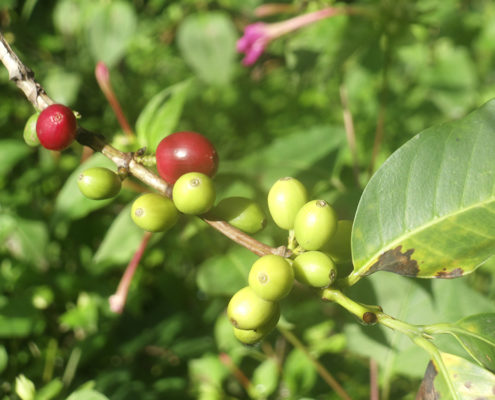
(23, 77)
(34, 92)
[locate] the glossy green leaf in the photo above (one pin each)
(429, 211)
(207, 42)
(11, 152)
(70, 203)
(227, 273)
(110, 29)
(467, 381)
(161, 115)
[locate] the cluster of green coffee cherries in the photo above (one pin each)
(318, 242)
(317, 239)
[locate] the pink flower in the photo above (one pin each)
(258, 35)
(253, 43)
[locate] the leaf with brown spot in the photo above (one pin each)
(429, 211)
(467, 381)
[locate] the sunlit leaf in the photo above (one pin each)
(429, 211)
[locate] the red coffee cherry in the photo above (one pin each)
(56, 127)
(183, 152)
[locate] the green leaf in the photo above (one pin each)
(265, 379)
(70, 203)
(469, 381)
(11, 152)
(207, 370)
(25, 239)
(476, 334)
(429, 211)
(207, 42)
(319, 144)
(110, 29)
(120, 242)
(299, 374)
(161, 115)
(225, 274)
(87, 394)
(50, 390)
(415, 301)
(4, 358)
(63, 86)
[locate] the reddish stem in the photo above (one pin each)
(103, 78)
(117, 300)
(374, 393)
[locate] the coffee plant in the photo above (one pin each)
(215, 252)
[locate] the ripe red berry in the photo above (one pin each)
(56, 127)
(183, 152)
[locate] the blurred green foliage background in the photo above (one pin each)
(404, 67)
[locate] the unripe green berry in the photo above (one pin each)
(154, 213)
(339, 245)
(246, 310)
(271, 277)
(99, 183)
(285, 198)
(194, 193)
(315, 268)
(315, 224)
(29, 134)
(252, 336)
(245, 214)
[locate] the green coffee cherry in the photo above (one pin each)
(154, 213)
(315, 268)
(246, 310)
(271, 277)
(285, 198)
(30, 136)
(99, 183)
(194, 193)
(315, 224)
(245, 214)
(339, 245)
(252, 336)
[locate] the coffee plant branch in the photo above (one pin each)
(23, 77)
